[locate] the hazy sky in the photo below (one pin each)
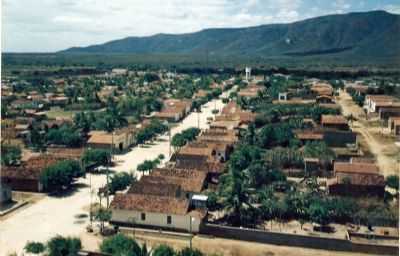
(51, 25)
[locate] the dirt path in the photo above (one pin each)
(386, 152)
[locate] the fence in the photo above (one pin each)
(261, 236)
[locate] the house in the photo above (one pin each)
(394, 125)
(233, 112)
(202, 151)
(5, 194)
(338, 122)
(333, 138)
(358, 88)
(225, 124)
(147, 186)
(174, 110)
(229, 137)
(309, 135)
(26, 177)
(373, 103)
(66, 153)
(153, 211)
(119, 71)
(356, 179)
(319, 89)
(120, 139)
(386, 112)
(250, 91)
(59, 100)
(324, 99)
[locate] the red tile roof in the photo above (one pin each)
(151, 203)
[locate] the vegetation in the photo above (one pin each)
(10, 155)
(61, 175)
(102, 215)
(392, 181)
(154, 128)
(149, 165)
(188, 135)
(120, 181)
(56, 246)
(35, 247)
(121, 245)
(65, 135)
(59, 246)
(96, 156)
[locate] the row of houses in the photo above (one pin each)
(172, 198)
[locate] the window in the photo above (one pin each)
(143, 216)
(169, 219)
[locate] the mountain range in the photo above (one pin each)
(366, 34)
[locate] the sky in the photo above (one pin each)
(52, 25)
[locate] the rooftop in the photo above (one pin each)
(333, 119)
(356, 167)
(150, 203)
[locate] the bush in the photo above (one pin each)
(120, 181)
(60, 246)
(96, 156)
(120, 245)
(163, 250)
(10, 155)
(61, 174)
(35, 247)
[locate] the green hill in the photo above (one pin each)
(369, 34)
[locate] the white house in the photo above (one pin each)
(153, 211)
(373, 103)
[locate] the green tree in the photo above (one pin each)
(96, 156)
(319, 213)
(35, 247)
(61, 246)
(10, 155)
(392, 181)
(102, 215)
(120, 181)
(163, 250)
(120, 245)
(61, 174)
(190, 252)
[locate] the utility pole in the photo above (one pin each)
(169, 139)
(190, 231)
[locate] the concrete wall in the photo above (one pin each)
(156, 220)
(297, 240)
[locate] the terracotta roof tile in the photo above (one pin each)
(151, 203)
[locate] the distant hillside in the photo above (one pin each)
(368, 34)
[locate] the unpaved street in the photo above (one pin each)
(68, 215)
(386, 152)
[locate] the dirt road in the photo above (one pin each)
(68, 215)
(386, 152)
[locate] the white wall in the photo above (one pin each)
(157, 220)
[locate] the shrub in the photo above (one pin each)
(35, 247)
